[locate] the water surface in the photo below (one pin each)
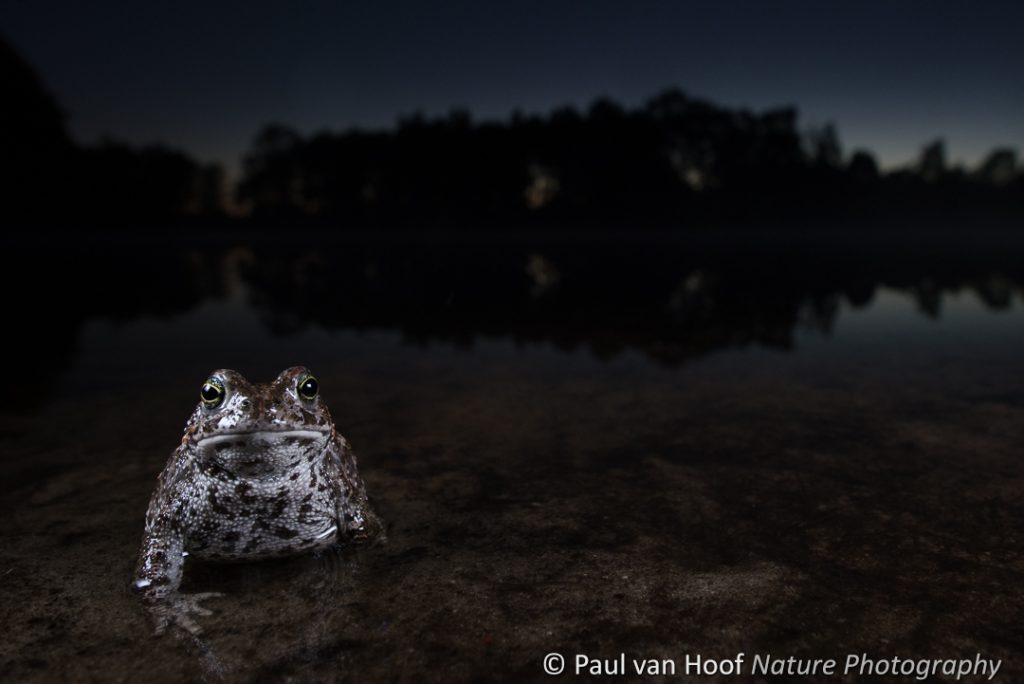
(655, 449)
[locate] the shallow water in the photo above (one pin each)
(712, 458)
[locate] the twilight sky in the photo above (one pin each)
(892, 75)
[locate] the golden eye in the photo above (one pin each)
(308, 387)
(212, 393)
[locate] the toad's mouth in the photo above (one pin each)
(242, 436)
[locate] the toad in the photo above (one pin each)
(261, 472)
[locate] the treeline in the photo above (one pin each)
(671, 161)
(47, 177)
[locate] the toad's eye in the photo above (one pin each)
(308, 387)
(212, 393)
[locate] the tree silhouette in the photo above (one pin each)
(45, 176)
(35, 151)
(932, 166)
(676, 160)
(999, 168)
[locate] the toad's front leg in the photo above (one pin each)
(158, 576)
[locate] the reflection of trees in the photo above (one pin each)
(670, 301)
(928, 296)
(62, 286)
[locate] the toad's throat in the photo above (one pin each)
(263, 453)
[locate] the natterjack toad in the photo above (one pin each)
(261, 472)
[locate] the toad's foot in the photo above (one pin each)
(371, 533)
(178, 610)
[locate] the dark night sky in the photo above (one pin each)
(891, 75)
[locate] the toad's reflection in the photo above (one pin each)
(288, 611)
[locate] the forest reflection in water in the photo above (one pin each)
(669, 300)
